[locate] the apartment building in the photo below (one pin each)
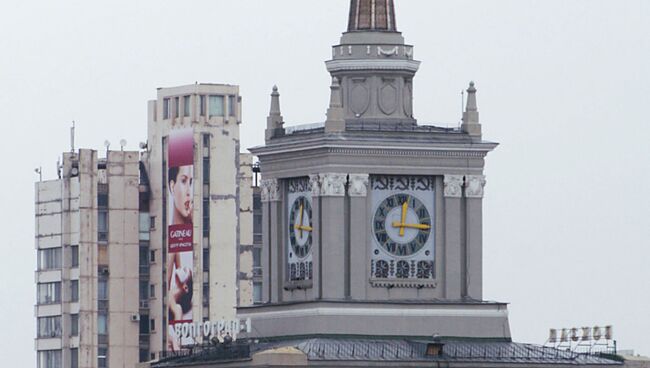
(105, 271)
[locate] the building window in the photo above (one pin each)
(257, 292)
(232, 105)
(177, 106)
(74, 325)
(102, 357)
(202, 105)
(74, 358)
(102, 226)
(49, 359)
(144, 290)
(74, 250)
(102, 289)
(144, 324)
(166, 107)
(102, 200)
(152, 256)
(49, 259)
(216, 106)
(144, 355)
(74, 291)
(206, 217)
(152, 325)
(206, 260)
(206, 294)
(49, 327)
(186, 106)
(102, 323)
(152, 291)
(145, 225)
(49, 293)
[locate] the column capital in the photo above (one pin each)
(453, 186)
(474, 186)
(333, 184)
(314, 185)
(358, 185)
(270, 190)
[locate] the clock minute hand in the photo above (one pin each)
(402, 225)
(301, 212)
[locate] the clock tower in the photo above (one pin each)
(372, 222)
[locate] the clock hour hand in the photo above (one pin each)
(405, 207)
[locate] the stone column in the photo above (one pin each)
(332, 234)
(453, 239)
(474, 187)
(272, 272)
(358, 257)
(314, 185)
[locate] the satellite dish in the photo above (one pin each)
(123, 142)
(143, 145)
(107, 144)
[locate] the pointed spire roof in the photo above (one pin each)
(372, 15)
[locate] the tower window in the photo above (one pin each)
(186, 106)
(216, 106)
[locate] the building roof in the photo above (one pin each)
(395, 350)
(372, 15)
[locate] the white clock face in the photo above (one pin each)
(299, 230)
(402, 227)
(300, 227)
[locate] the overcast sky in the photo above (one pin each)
(564, 86)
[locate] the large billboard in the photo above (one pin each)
(180, 239)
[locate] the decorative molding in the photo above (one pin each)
(402, 183)
(453, 186)
(408, 52)
(333, 184)
(389, 52)
(380, 64)
(407, 153)
(270, 190)
(358, 185)
(474, 186)
(299, 185)
(314, 184)
(409, 284)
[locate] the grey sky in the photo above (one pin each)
(564, 86)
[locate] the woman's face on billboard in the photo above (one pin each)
(183, 191)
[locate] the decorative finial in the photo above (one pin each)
(470, 116)
(335, 121)
(275, 121)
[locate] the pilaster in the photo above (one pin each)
(317, 281)
(474, 191)
(273, 247)
(333, 235)
(358, 197)
(453, 193)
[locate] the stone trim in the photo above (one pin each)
(270, 190)
(358, 185)
(333, 184)
(408, 153)
(380, 64)
(475, 186)
(453, 186)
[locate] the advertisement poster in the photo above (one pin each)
(180, 239)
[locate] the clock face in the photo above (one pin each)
(402, 225)
(300, 227)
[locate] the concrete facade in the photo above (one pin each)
(111, 212)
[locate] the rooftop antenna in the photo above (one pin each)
(72, 138)
(39, 171)
(462, 105)
(122, 144)
(107, 144)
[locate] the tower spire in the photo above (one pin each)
(372, 15)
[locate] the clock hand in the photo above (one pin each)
(411, 226)
(305, 228)
(405, 207)
(301, 212)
